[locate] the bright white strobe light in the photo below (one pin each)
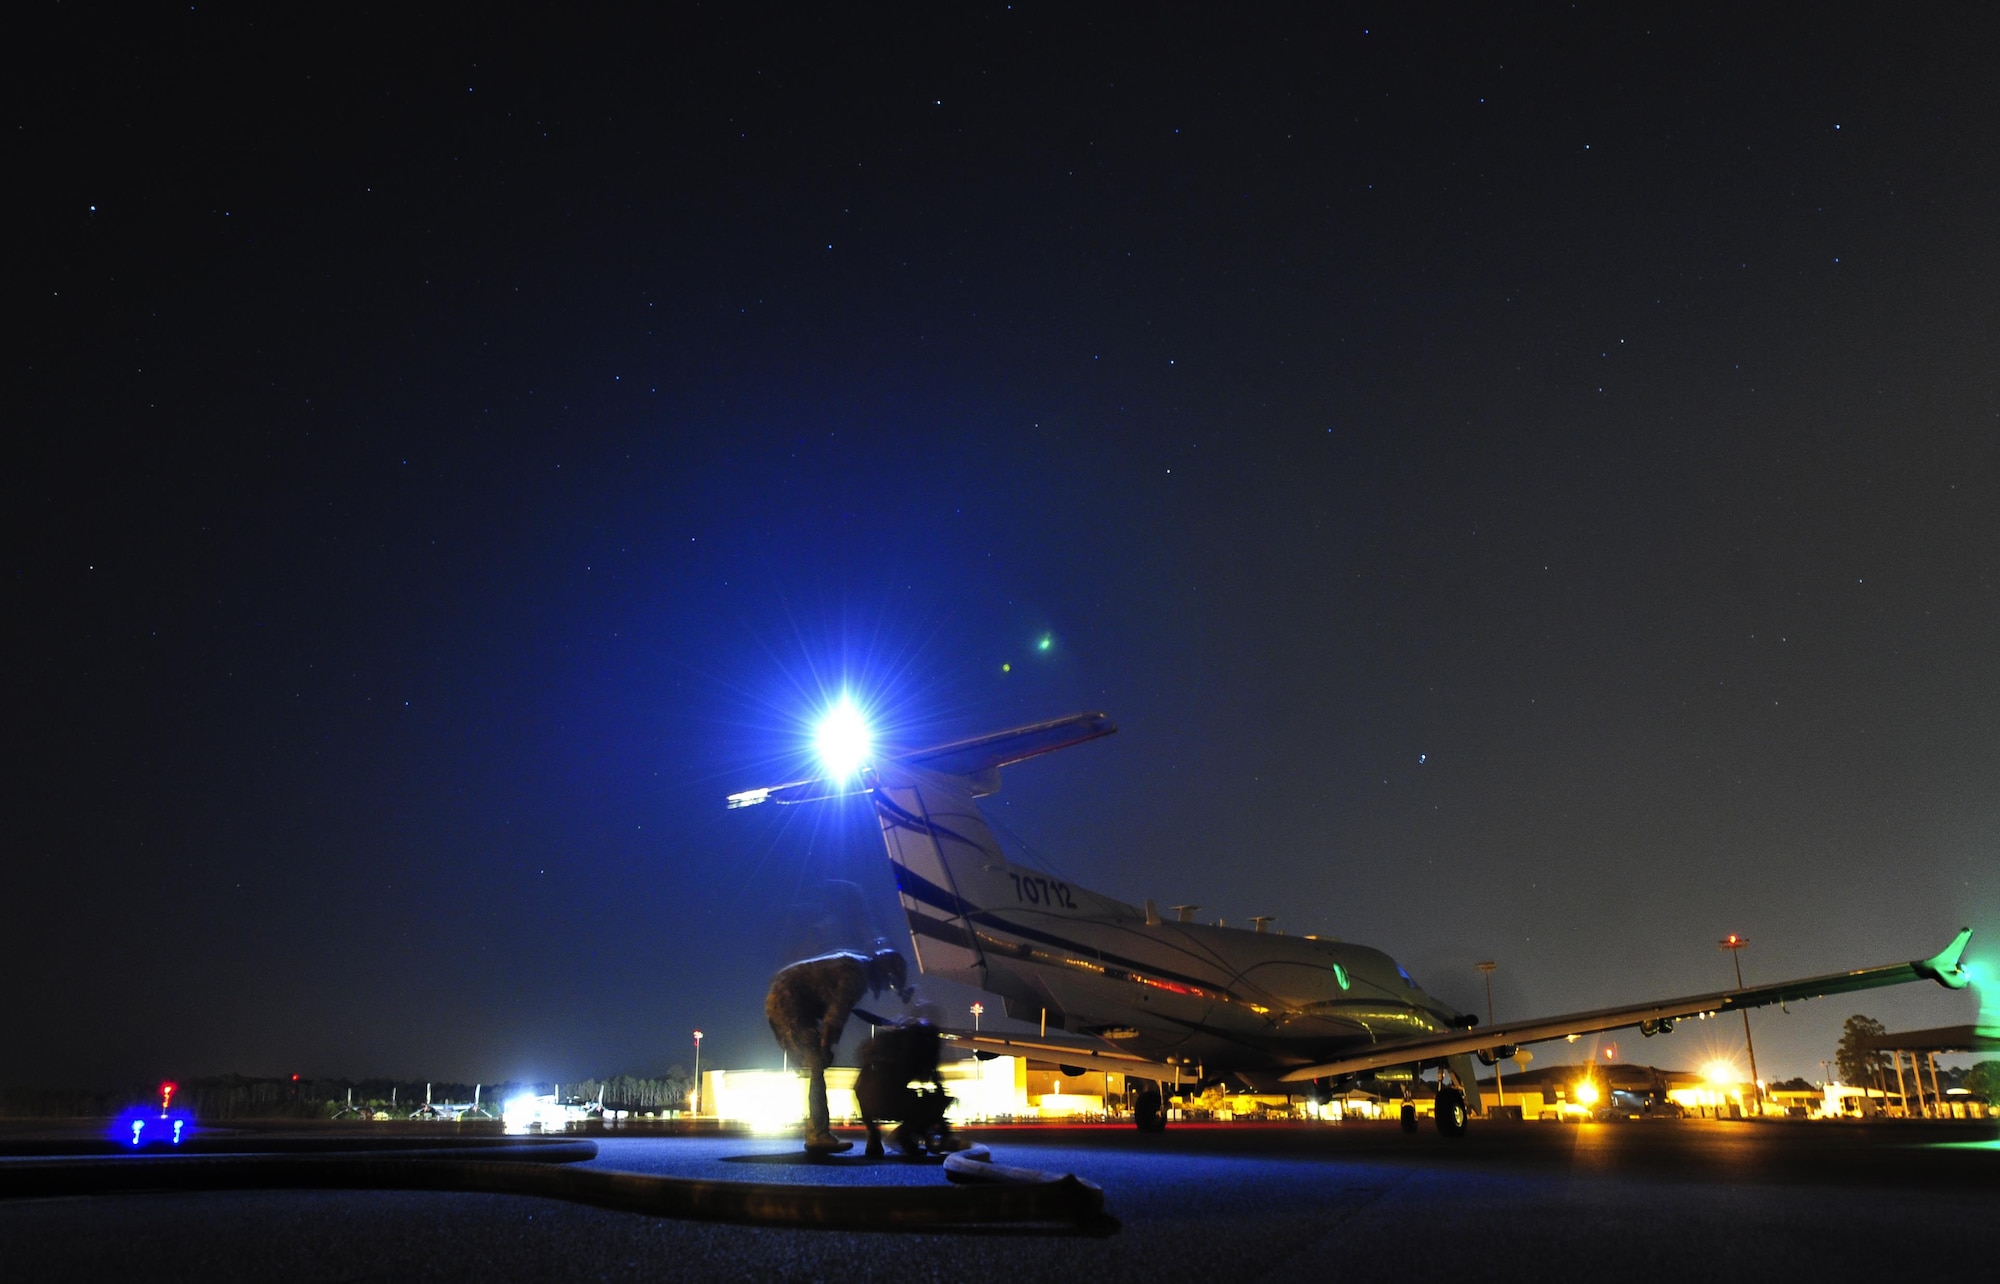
(843, 740)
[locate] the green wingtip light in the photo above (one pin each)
(1046, 642)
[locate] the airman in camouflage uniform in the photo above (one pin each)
(808, 1007)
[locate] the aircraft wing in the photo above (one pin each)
(1074, 1050)
(1942, 967)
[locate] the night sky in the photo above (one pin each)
(1526, 482)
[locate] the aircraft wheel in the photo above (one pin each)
(1409, 1117)
(1150, 1114)
(1451, 1112)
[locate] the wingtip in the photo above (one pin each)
(1944, 967)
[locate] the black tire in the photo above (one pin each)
(1149, 1113)
(1451, 1112)
(1409, 1117)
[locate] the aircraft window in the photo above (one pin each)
(1340, 975)
(1408, 980)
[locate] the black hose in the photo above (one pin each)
(1064, 1202)
(553, 1150)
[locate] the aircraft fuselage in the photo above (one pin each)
(1213, 998)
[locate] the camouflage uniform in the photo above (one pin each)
(808, 1007)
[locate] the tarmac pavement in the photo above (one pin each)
(1357, 1201)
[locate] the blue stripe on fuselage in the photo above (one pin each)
(919, 888)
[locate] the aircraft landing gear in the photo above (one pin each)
(1450, 1112)
(1149, 1112)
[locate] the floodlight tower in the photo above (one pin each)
(1734, 943)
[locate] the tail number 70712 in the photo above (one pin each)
(1033, 889)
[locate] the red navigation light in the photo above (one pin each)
(167, 1093)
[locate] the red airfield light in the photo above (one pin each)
(167, 1090)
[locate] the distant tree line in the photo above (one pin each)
(1983, 1081)
(218, 1098)
(634, 1092)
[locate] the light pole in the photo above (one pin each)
(977, 1008)
(697, 1074)
(1734, 943)
(1487, 968)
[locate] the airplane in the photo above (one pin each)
(449, 1110)
(551, 1110)
(1118, 987)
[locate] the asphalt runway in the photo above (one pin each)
(1680, 1201)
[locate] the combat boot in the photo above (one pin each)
(909, 1139)
(943, 1141)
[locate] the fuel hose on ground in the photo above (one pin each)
(998, 1197)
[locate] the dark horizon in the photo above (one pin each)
(1526, 484)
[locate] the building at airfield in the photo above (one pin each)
(1016, 1089)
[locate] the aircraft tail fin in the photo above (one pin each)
(949, 870)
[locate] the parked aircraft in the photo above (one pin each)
(550, 1111)
(451, 1109)
(1114, 986)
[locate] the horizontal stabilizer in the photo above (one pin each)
(978, 759)
(982, 754)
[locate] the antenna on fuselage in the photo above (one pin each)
(1184, 913)
(1259, 920)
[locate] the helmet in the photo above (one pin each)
(891, 973)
